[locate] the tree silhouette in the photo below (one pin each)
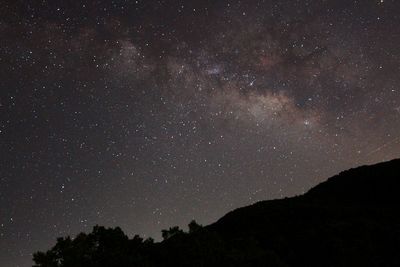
(194, 226)
(166, 234)
(102, 247)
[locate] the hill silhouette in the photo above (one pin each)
(352, 219)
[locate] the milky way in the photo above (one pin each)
(148, 114)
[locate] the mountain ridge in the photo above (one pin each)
(320, 189)
(351, 219)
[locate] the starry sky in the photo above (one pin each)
(148, 114)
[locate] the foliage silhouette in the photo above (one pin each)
(350, 220)
(194, 227)
(166, 234)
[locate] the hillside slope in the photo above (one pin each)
(352, 219)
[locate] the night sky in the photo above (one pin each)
(148, 114)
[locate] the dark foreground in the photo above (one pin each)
(350, 220)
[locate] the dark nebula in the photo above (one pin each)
(147, 114)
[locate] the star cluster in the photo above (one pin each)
(148, 114)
